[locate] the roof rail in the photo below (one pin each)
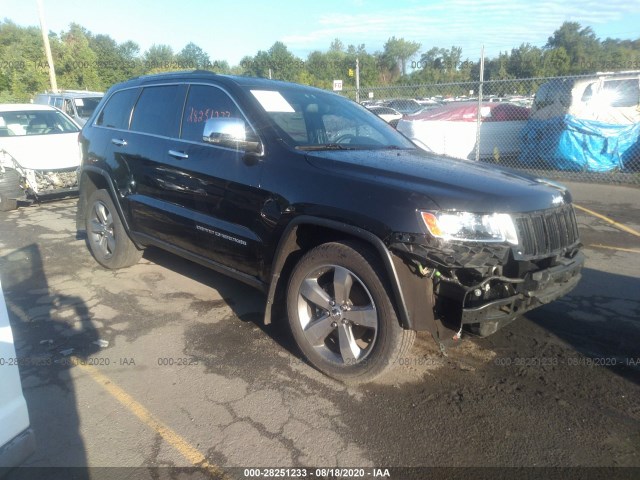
(173, 73)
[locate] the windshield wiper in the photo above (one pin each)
(325, 146)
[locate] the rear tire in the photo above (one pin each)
(108, 240)
(341, 315)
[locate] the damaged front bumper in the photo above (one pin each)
(41, 183)
(479, 288)
(36, 183)
(538, 288)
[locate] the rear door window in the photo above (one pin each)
(159, 110)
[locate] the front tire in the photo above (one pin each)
(341, 314)
(10, 189)
(108, 240)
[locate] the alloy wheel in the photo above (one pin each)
(101, 226)
(337, 315)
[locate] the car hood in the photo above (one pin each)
(43, 152)
(449, 183)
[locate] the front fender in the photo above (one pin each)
(410, 295)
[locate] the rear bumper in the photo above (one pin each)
(16, 451)
(538, 289)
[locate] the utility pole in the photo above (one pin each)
(479, 117)
(47, 48)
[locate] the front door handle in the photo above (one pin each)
(179, 155)
(119, 142)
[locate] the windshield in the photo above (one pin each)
(86, 105)
(35, 122)
(308, 119)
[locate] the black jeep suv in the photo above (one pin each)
(322, 205)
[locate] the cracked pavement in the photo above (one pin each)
(558, 387)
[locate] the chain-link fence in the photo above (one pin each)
(583, 128)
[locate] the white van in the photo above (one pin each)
(589, 123)
(17, 440)
(612, 98)
(78, 104)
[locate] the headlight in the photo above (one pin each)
(471, 227)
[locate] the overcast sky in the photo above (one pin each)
(229, 30)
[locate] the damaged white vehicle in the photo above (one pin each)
(39, 153)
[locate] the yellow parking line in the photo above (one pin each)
(177, 441)
(631, 250)
(609, 220)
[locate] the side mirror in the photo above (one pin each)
(231, 133)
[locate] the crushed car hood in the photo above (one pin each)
(43, 152)
(452, 184)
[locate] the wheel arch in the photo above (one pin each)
(92, 179)
(331, 230)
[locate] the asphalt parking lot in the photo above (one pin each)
(171, 367)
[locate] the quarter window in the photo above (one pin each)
(117, 111)
(205, 102)
(158, 110)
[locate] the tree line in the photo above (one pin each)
(84, 60)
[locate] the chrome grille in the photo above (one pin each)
(548, 231)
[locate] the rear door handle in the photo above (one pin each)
(119, 142)
(179, 155)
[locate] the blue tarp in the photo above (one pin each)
(569, 143)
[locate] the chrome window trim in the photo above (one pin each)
(186, 83)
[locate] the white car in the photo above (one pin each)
(39, 152)
(452, 129)
(388, 114)
(16, 436)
